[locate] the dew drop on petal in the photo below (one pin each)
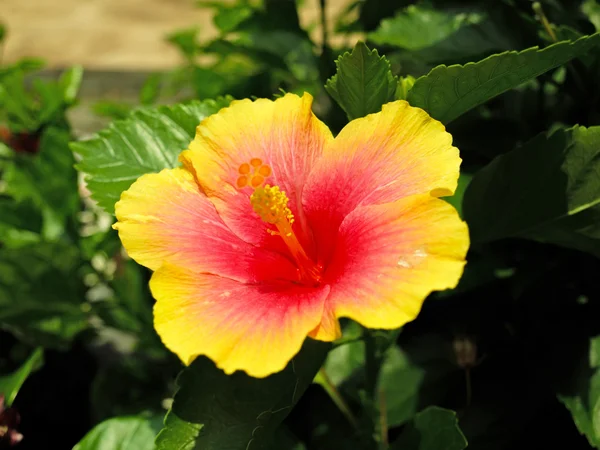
(404, 263)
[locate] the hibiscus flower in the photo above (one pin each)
(272, 229)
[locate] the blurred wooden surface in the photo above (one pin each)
(112, 34)
(119, 42)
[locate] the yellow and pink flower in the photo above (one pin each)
(273, 229)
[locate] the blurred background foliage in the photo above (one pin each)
(513, 350)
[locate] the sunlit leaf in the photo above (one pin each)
(448, 92)
(363, 82)
(420, 26)
(149, 140)
(122, 433)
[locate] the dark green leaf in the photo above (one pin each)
(41, 299)
(2, 32)
(33, 178)
(363, 82)
(547, 190)
(122, 433)
(412, 375)
(420, 26)
(20, 223)
(592, 9)
(10, 384)
(448, 92)
(149, 140)
(213, 411)
(457, 199)
(582, 394)
(345, 359)
(434, 428)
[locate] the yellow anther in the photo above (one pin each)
(271, 204)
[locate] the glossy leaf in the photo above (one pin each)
(448, 92)
(363, 82)
(213, 411)
(10, 384)
(149, 140)
(122, 433)
(547, 190)
(434, 428)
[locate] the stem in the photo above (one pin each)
(539, 11)
(372, 366)
(383, 425)
(537, 8)
(324, 43)
(323, 379)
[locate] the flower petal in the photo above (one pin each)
(389, 257)
(254, 328)
(166, 217)
(284, 134)
(380, 158)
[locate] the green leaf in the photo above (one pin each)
(547, 190)
(363, 82)
(186, 41)
(2, 32)
(412, 376)
(448, 92)
(20, 223)
(122, 433)
(434, 428)
(346, 358)
(581, 394)
(10, 384)
(420, 26)
(405, 84)
(150, 89)
(229, 17)
(456, 200)
(149, 140)
(212, 411)
(70, 81)
(591, 8)
(113, 109)
(33, 178)
(41, 298)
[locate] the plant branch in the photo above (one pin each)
(323, 379)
